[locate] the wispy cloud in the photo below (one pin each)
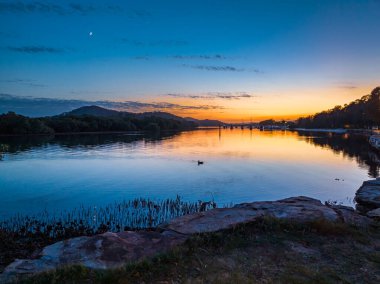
(226, 68)
(47, 106)
(176, 57)
(154, 43)
(35, 49)
(29, 7)
(26, 82)
(136, 105)
(348, 87)
(190, 57)
(70, 8)
(214, 68)
(215, 95)
(82, 8)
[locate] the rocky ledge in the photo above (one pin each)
(368, 198)
(113, 250)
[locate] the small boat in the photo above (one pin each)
(374, 140)
(200, 162)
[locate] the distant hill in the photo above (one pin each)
(92, 119)
(205, 122)
(103, 112)
(159, 114)
(93, 110)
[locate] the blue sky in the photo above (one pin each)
(288, 57)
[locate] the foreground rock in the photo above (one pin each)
(113, 250)
(104, 251)
(299, 209)
(374, 213)
(368, 196)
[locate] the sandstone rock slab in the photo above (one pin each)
(104, 251)
(113, 250)
(374, 213)
(299, 208)
(368, 196)
(349, 215)
(296, 208)
(211, 221)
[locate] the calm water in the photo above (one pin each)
(63, 172)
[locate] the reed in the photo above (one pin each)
(136, 214)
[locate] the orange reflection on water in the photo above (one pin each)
(277, 146)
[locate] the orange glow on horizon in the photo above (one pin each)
(289, 105)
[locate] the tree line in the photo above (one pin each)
(15, 124)
(361, 113)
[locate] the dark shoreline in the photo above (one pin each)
(140, 132)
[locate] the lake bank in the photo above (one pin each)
(113, 250)
(267, 251)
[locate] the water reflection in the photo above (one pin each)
(62, 172)
(351, 146)
(19, 144)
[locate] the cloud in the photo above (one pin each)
(81, 8)
(32, 106)
(186, 57)
(177, 57)
(70, 8)
(214, 68)
(158, 106)
(216, 95)
(35, 49)
(348, 87)
(155, 43)
(27, 82)
(28, 7)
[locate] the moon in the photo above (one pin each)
(90, 33)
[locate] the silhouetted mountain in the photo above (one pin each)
(205, 122)
(95, 111)
(159, 114)
(92, 119)
(103, 112)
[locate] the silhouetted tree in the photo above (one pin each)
(12, 123)
(361, 113)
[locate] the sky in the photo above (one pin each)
(226, 59)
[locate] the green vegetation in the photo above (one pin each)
(362, 113)
(14, 124)
(267, 251)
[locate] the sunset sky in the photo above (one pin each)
(232, 60)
